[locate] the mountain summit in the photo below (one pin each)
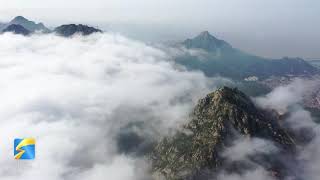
(68, 30)
(29, 25)
(207, 42)
(217, 120)
(18, 19)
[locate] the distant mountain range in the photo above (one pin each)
(217, 56)
(220, 58)
(252, 74)
(23, 26)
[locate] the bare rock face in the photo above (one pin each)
(217, 120)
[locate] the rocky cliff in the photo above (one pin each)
(216, 121)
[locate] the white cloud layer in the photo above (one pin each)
(282, 97)
(75, 95)
(288, 99)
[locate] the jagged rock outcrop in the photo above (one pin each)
(71, 29)
(216, 121)
(16, 29)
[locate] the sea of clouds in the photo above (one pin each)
(289, 99)
(86, 99)
(76, 95)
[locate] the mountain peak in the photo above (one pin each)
(19, 18)
(68, 30)
(205, 34)
(217, 120)
(207, 42)
(29, 25)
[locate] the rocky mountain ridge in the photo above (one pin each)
(194, 152)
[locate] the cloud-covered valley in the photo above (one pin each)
(81, 97)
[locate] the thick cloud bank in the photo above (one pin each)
(305, 164)
(79, 97)
(96, 103)
(288, 99)
(282, 97)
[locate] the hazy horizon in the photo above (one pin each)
(131, 104)
(270, 29)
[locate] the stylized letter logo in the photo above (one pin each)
(24, 148)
